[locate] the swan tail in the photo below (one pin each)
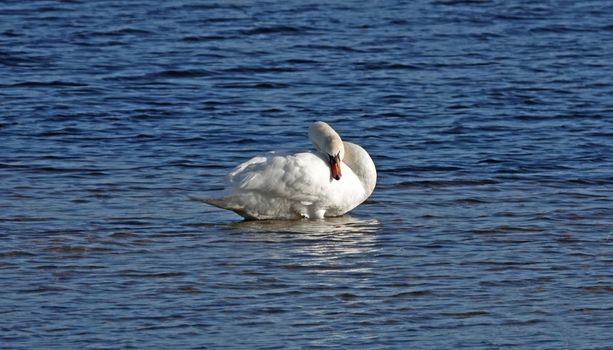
(226, 203)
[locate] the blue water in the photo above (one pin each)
(490, 123)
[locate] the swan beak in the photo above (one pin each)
(335, 167)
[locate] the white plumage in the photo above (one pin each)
(302, 185)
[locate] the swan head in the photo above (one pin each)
(328, 142)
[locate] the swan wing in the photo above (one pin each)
(300, 177)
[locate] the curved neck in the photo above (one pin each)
(362, 165)
(326, 140)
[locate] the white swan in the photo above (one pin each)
(329, 182)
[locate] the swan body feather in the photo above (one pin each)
(291, 186)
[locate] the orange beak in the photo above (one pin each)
(335, 167)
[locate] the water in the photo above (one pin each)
(490, 123)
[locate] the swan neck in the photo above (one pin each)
(362, 166)
(326, 140)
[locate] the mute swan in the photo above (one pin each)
(329, 182)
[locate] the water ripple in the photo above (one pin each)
(488, 121)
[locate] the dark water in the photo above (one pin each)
(490, 122)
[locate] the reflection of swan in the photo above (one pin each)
(343, 225)
(329, 182)
(322, 246)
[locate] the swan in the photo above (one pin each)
(329, 182)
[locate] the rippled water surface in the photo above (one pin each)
(490, 122)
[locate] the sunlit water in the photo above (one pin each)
(490, 123)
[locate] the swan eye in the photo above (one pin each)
(334, 159)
